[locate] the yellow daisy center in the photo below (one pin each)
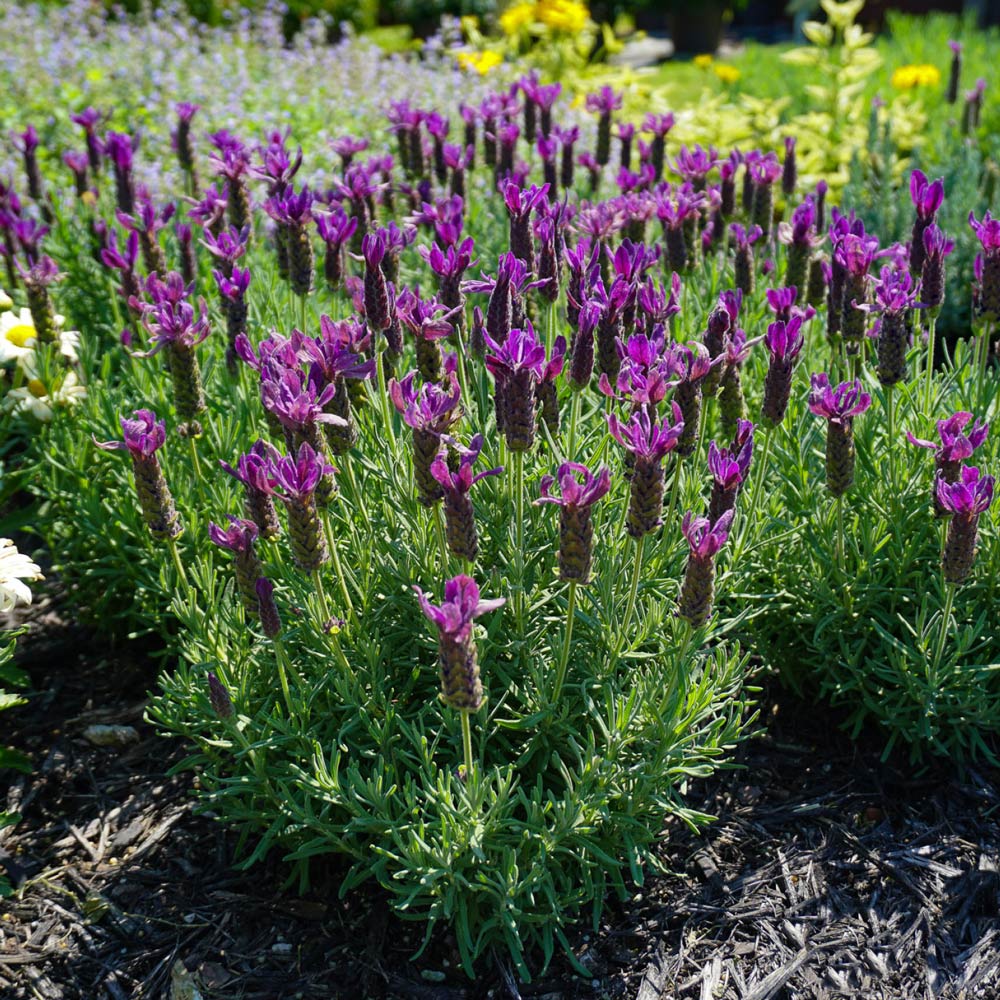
(37, 388)
(20, 334)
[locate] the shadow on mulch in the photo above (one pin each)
(827, 875)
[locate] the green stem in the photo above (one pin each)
(519, 538)
(564, 658)
(632, 594)
(840, 533)
(339, 570)
(890, 412)
(929, 369)
(384, 398)
(438, 517)
(179, 567)
(284, 668)
(195, 462)
(949, 602)
(324, 607)
(467, 745)
(302, 314)
(574, 419)
(984, 364)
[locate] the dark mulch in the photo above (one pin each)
(828, 875)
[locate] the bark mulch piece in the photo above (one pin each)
(828, 875)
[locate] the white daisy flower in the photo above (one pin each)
(14, 570)
(36, 399)
(18, 338)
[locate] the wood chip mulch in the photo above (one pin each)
(829, 875)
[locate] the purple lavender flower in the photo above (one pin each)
(517, 366)
(647, 442)
(77, 163)
(801, 238)
(239, 538)
(148, 222)
(293, 212)
(927, 198)
(26, 143)
(546, 394)
(729, 469)
(965, 500)
(579, 490)
(705, 539)
(88, 120)
(660, 126)
(143, 436)
(937, 246)
(425, 322)
(789, 170)
(987, 266)
(270, 619)
(784, 343)
(335, 229)
(894, 297)
(744, 276)
(855, 255)
(693, 365)
(764, 171)
(838, 406)
(430, 410)
(259, 487)
(233, 291)
(955, 74)
(183, 146)
(119, 149)
(296, 478)
(955, 446)
(603, 103)
(695, 164)
(376, 289)
(173, 324)
(461, 686)
(459, 516)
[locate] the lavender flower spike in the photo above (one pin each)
(839, 406)
(296, 478)
(956, 445)
(576, 529)
(239, 538)
(648, 442)
(965, 500)
(459, 516)
(143, 436)
(461, 687)
(729, 469)
(784, 344)
(705, 539)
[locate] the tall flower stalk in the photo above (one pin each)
(579, 490)
(838, 406)
(458, 662)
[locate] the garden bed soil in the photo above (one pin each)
(828, 875)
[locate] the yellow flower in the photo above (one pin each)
(563, 15)
(703, 62)
(18, 337)
(726, 73)
(481, 62)
(923, 75)
(38, 400)
(513, 19)
(5, 300)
